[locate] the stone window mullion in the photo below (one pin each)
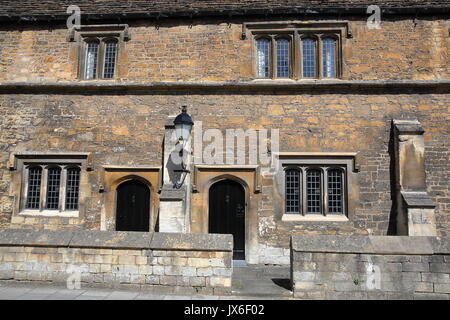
(25, 182)
(296, 56)
(44, 180)
(304, 198)
(62, 189)
(100, 59)
(324, 191)
(319, 57)
(273, 58)
(338, 62)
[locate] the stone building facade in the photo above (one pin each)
(381, 117)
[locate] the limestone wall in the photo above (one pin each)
(201, 49)
(128, 129)
(167, 262)
(370, 267)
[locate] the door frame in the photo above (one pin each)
(112, 177)
(242, 184)
(145, 183)
(204, 176)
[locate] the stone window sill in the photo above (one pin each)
(50, 213)
(314, 218)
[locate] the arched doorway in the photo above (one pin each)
(227, 213)
(133, 206)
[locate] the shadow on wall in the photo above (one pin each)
(392, 226)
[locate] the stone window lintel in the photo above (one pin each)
(312, 26)
(50, 157)
(105, 30)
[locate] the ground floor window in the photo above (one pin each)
(51, 186)
(312, 189)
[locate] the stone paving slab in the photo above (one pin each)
(43, 292)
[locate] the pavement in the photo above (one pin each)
(248, 283)
(16, 291)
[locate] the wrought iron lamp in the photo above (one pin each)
(183, 127)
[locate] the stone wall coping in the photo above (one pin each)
(192, 241)
(362, 244)
(115, 240)
(130, 87)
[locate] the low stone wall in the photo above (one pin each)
(370, 267)
(168, 262)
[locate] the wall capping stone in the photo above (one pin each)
(361, 244)
(116, 239)
(192, 241)
(118, 87)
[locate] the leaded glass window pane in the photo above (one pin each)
(34, 188)
(283, 58)
(262, 58)
(309, 58)
(72, 188)
(110, 59)
(335, 191)
(313, 191)
(292, 191)
(53, 181)
(91, 60)
(329, 58)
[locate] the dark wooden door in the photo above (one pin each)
(133, 204)
(227, 213)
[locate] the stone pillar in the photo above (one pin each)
(415, 208)
(174, 210)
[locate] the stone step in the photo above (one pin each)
(261, 281)
(260, 272)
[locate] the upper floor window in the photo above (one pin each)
(273, 57)
(99, 58)
(263, 58)
(283, 53)
(298, 54)
(329, 57)
(109, 65)
(99, 49)
(91, 59)
(309, 58)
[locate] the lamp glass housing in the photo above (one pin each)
(183, 131)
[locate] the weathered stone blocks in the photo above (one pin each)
(417, 270)
(204, 267)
